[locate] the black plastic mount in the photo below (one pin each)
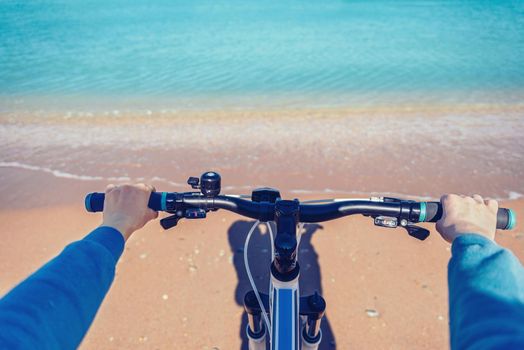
(265, 194)
(209, 185)
(407, 211)
(407, 216)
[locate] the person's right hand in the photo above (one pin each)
(462, 215)
(125, 208)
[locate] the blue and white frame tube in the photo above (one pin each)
(285, 322)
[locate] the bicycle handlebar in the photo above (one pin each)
(410, 211)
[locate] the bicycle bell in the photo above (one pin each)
(210, 184)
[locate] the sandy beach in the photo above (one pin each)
(183, 288)
(319, 99)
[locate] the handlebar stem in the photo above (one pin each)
(286, 219)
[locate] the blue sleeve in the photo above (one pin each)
(54, 307)
(486, 295)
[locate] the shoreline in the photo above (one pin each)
(86, 102)
(225, 114)
(305, 150)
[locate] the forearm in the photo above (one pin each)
(54, 307)
(486, 295)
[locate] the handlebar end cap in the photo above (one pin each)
(512, 220)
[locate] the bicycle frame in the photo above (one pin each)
(284, 314)
(284, 297)
(284, 308)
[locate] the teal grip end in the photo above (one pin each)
(163, 201)
(512, 220)
(422, 215)
(88, 203)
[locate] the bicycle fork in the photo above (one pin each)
(311, 310)
(286, 307)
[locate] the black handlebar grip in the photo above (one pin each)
(95, 201)
(433, 211)
(506, 218)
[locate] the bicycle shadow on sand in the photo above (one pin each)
(259, 255)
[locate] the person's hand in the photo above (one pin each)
(125, 208)
(461, 215)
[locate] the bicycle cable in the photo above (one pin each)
(271, 237)
(299, 234)
(270, 287)
(250, 277)
(248, 269)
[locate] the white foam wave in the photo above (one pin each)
(514, 195)
(66, 175)
(169, 182)
(56, 173)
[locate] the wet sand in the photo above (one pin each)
(419, 151)
(183, 288)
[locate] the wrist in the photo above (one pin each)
(471, 237)
(470, 241)
(123, 229)
(476, 232)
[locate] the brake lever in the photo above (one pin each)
(189, 213)
(417, 232)
(170, 221)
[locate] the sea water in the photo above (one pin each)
(408, 97)
(198, 54)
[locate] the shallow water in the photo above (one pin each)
(177, 54)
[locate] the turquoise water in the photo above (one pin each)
(312, 52)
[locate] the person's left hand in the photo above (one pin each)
(125, 208)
